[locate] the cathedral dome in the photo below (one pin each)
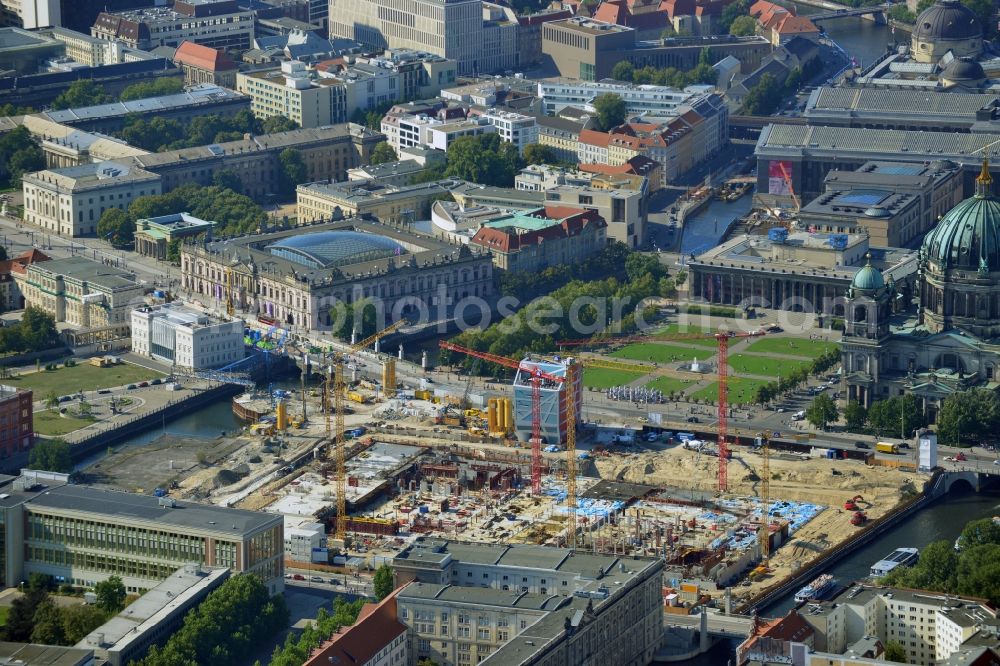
(963, 69)
(868, 278)
(947, 20)
(968, 236)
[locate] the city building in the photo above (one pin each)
(186, 338)
(31, 654)
(81, 535)
(800, 271)
(637, 173)
(316, 202)
(538, 239)
(303, 45)
(76, 15)
(644, 16)
(896, 203)
(23, 52)
(479, 36)
(17, 421)
(515, 605)
(562, 135)
(203, 64)
(40, 90)
(541, 177)
(64, 146)
(95, 299)
(950, 345)
(552, 390)
(377, 638)
(781, 24)
(291, 92)
(559, 93)
(306, 543)
(515, 128)
(947, 26)
(11, 297)
(152, 618)
(394, 174)
(296, 276)
(81, 47)
(583, 48)
(529, 33)
(219, 24)
(153, 235)
(406, 131)
(70, 201)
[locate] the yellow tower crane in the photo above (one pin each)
(230, 305)
(765, 496)
(335, 384)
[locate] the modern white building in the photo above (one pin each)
(424, 131)
(557, 94)
(172, 333)
(515, 128)
(306, 543)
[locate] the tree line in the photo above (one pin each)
(35, 332)
(162, 134)
(703, 72)
(34, 617)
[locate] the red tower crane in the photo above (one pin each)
(722, 338)
(537, 375)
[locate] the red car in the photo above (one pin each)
(298, 577)
(960, 456)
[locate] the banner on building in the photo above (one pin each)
(779, 177)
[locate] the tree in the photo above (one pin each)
(980, 533)
(48, 629)
(26, 160)
(296, 650)
(21, 617)
(78, 621)
(228, 179)
(110, 595)
(116, 227)
(855, 416)
(154, 88)
(293, 171)
(610, 110)
(483, 159)
(822, 411)
(275, 124)
(427, 661)
(763, 98)
(743, 26)
(969, 415)
(52, 455)
(731, 13)
(894, 651)
(52, 399)
(82, 92)
(383, 582)
(359, 318)
(536, 153)
(383, 153)
(898, 416)
(623, 71)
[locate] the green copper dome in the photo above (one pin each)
(868, 278)
(968, 236)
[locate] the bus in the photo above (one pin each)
(886, 447)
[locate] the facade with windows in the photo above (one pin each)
(220, 24)
(16, 421)
(171, 333)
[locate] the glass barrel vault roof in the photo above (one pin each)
(327, 249)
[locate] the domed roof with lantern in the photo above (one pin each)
(968, 237)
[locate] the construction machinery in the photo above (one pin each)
(336, 386)
(537, 376)
(722, 338)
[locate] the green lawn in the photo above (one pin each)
(82, 377)
(741, 390)
(4, 612)
(790, 346)
(655, 352)
(670, 384)
(603, 378)
(50, 423)
(680, 329)
(764, 366)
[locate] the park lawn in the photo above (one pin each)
(683, 329)
(670, 384)
(82, 377)
(790, 346)
(654, 352)
(602, 378)
(741, 390)
(4, 612)
(50, 423)
(765, 366)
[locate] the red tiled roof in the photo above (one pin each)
(20, 263)
(789, 25)
(594, 137)
(376, 627)
(203, 57)
(792, 627)
(640, 165)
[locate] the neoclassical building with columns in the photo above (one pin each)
(296, 276)
(953, 343)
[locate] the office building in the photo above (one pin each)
(76, 15)
(152, 618)
(395, 174)
(559, 93)
(316, 202)
(479, 36)
(515, 128)
(95, 299)
(185, 338)
(70, 201)
(514, 605)
(538, 239)
(31, 654)
(311, 268)
(419, 130)
(292, 93)
(81, 47)
(23, 52)
(17, 425)
(82, 535)
(218, 24)
(154, 235)
(203, 64)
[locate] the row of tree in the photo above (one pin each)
(34, 617)
(19, 154)
(483, 159)
(162, 134)
(765, 393)
(766, 96)
(51, 455)
(973, 571)
(36, 331)
(703, 72)
(967, 418)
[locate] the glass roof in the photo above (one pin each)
(326, 249)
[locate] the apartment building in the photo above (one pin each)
(94, 298)
(17, 424)
(512, 605)
(70, 201)
(538, 239)
(291, 92)
(220, 24)
(82, 535)
(378, 638)
(82, 48)
(186, 338)
(407, 131)
(515, 128)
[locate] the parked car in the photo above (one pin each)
(693, 419)
(316, 579)
(130, 387)
(104, 391)
(861, 445)
(156, 382)
(298, 577)
(143, 384)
